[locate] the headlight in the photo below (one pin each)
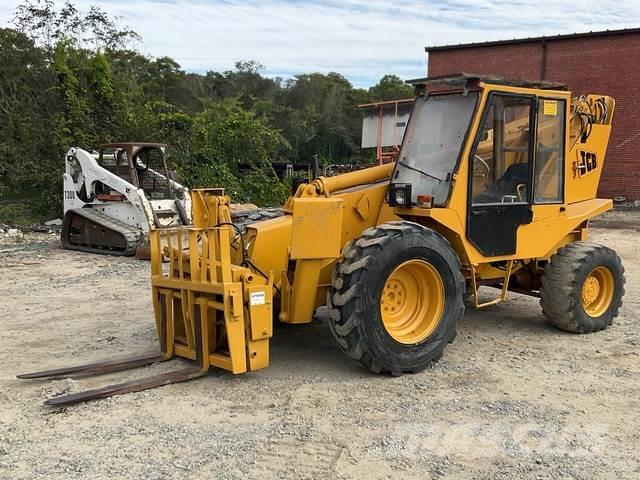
(400, 195)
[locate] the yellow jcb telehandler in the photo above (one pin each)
(494, 185)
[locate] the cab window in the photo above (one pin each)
(500, 160)
(549, 163)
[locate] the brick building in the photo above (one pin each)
(597, 62)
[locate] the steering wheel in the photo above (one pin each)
(484, 164)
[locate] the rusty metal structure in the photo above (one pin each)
(383, 126)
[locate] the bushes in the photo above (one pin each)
(226, 146)
(261, 189)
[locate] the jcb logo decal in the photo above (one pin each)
(587, 163)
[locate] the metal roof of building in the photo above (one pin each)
(549, 38)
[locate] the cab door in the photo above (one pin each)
(500, 174)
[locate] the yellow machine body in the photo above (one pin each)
(226, 282)
(494, 185)
(204, 283)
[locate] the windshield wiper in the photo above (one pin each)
(418, 170)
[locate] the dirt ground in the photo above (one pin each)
(512, 397)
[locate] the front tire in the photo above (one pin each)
(582, 287)
(396, 297)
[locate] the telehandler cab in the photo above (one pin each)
(494, 185)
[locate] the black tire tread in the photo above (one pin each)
(562, 287)
(357, 256)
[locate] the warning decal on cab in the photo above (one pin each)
(550, 107)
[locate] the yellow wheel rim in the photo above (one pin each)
(597, 291)
(412, 302)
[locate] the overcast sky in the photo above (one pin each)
(360, 39)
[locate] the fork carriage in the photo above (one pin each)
(208, 308)
(199, 301)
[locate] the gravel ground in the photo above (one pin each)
(512, 397)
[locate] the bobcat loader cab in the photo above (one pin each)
(494, 185)
(113, 197)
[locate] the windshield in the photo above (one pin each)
(432, 143)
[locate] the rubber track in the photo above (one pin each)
(246, 218)
(356, 257)
(561, 287)
(130, 234)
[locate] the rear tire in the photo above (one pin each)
(430, 269)
(582, 287)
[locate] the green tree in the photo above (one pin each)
(390, 87)
(72, 78)
(26, 102)
(47, 24)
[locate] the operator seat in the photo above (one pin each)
(516, 174)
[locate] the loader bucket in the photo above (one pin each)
(143, 250)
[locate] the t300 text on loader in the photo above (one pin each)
(494, 185)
